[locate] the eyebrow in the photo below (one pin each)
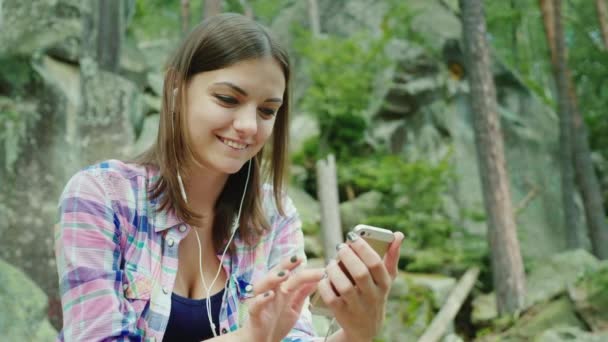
(244, 93)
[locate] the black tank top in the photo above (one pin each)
(188, 318)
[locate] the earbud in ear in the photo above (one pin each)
(173, 100)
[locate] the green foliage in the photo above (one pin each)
(342, 72)
(14, 127)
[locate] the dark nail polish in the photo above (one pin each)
(281, 274)
(294, 258)
(351, 236)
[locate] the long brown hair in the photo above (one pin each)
(216, 43)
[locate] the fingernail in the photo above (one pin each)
(267, 294)
(281, 274)
(351, 236)
(294, 259)
(340, 246)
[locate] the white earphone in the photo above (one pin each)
(234, 227)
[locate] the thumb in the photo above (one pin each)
(391, 259)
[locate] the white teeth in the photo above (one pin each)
(234, 144)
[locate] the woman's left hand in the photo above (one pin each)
(360, 287)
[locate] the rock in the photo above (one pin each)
(546, 279)
(23, 314)
(543, 317)
(568, 334)
(439, 286)
(357, 210)
(148, 134)
(590, 297)
(551, 277)
(301, 128)
(484, 309)
(308, 209)
(313, 246)
(32, 26)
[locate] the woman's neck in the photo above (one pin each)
(203, 188)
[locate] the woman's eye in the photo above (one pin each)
(227, 99)
(267, 111)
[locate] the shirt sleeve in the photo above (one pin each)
(289, 241)
(88, 253)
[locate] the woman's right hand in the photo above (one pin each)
(278, 300)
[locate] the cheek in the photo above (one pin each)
(265, 131)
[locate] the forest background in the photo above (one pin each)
(481, 134)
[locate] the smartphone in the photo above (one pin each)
(378, 238)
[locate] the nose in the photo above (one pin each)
(245, 122)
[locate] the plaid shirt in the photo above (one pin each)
(117, 258)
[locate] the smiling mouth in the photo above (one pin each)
(233, 144)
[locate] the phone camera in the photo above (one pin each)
(362, 233)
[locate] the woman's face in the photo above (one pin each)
(230, 112)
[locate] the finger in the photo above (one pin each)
(355, 268)
(260, 302)
(302, 277)
(329, 296)
(300, 296)
(276, 275)
(346, 289)
(371, 259)
(391, 259)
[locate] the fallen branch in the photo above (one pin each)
(452, 305)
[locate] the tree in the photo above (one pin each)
(506, 260)
(571, 120)
(551, 11)
(109, 33)
(211, 8)
(602, 15)
(313, 13)
(185, 16)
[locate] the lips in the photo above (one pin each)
(232, 143)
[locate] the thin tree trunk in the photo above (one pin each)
(185, 16)
(551, 11)
(588, 183)
(247, 9)
(211, 8)
(110, 29)
(507, 264)
(327, 191)
(546, 8)
(313, 13)
(602, 17)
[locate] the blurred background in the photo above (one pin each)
(391, 90)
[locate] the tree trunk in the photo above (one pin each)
(109, 38)
(507, 264)
(602, 17)
(185, 16)
(313, 14)
(588, 183)
(551, 11)
(211, 8)
(247, 9)
(327, 192)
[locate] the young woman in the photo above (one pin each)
(195, 239)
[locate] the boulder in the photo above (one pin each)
(308, 209)
(358, 209)
(24, 307)
(590, 297)
(570, 334)
(546, 279)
